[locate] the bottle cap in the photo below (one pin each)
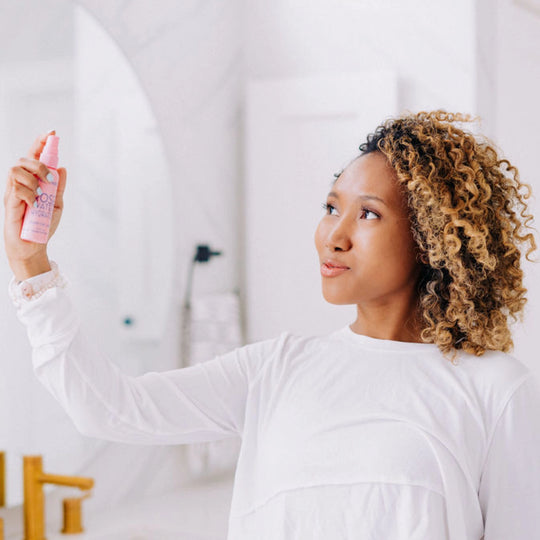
(49, 155)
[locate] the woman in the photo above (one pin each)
(368, 431)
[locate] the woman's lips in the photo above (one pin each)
(331, 271)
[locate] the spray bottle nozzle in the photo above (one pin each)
(51, 144)
(49, 155)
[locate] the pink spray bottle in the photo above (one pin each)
(37, 218)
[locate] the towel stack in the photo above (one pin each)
(215, 328)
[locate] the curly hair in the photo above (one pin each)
(467, 218)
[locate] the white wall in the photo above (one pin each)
(300, 131)
(428, 45)
(517, 87)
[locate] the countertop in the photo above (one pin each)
(197, 511)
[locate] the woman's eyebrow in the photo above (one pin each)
(365, 197)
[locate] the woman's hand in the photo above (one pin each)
(28, 258)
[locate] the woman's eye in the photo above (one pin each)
(366, 211)
(328, 208)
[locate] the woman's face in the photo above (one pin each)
(371, 237)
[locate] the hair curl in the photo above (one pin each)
(465, 218)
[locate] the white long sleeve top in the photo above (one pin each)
(344, 436)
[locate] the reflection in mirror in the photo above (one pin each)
(115, 239)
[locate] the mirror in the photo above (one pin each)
(115, 238)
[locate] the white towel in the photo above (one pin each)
(215, 329)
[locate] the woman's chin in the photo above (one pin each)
(337, 299)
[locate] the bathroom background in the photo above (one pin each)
(222, 123)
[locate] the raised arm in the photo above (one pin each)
(199, 403)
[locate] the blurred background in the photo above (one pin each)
(222, 124)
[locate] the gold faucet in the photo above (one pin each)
(2, 479)
(34, 500)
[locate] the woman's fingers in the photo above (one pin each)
(23, 181)
(27, 170)
(38, 144)
(24, 193)
(22, 184)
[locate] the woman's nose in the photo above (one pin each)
(338, 238)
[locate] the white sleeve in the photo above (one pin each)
(509, 492)
(32, 288)
(203, 402)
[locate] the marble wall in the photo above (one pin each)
(186, 60)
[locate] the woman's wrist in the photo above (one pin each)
(29, 268)
(35, 286)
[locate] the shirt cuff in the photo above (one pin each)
(32, 288)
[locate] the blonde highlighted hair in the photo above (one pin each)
(469, 220)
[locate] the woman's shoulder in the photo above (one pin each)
(496, 371)
(496, 362)
(297, 341)
(293, 337)
(287, 345)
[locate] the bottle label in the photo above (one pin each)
(37, 220)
